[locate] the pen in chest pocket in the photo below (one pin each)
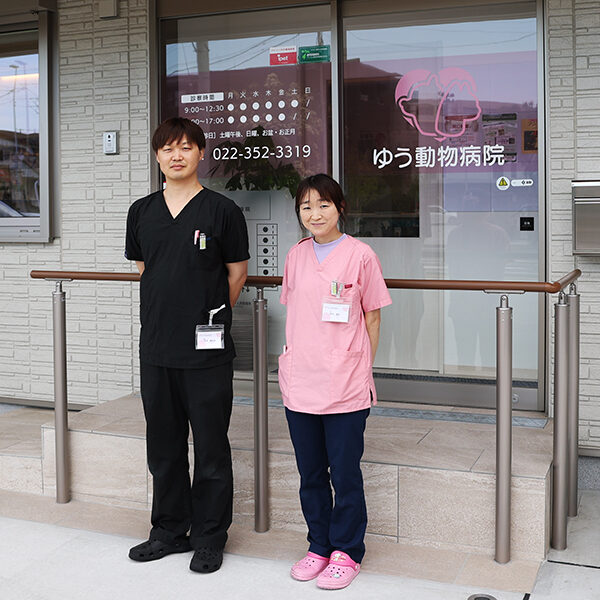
(200, 239)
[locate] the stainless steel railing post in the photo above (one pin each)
(503, 428)
(261, 415)
(560, 467)
(573, 397)
(61, 425)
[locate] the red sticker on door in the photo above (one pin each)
(283, 55)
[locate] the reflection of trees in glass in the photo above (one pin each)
(382, 202)
(308, 121)
(19, 115)
(379, 207)
(312, 113)
(250, 169)
(19, 171)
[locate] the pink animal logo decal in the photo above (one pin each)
(439, 105)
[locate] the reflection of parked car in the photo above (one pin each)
(8, 211)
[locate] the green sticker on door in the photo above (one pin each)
(313, 54)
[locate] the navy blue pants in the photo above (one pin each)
(328, 452)
(174, 400)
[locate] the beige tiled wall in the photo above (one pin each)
(573, 78)
(103, 80)
(103, 77)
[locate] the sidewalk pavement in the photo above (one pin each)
(49, 562)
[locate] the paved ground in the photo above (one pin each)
(48, 562)
(67, 561)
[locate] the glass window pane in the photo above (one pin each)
(259, 84)
(440, 164)
(19, 125)
(260, 89)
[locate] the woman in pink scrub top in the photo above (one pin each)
(334, 289)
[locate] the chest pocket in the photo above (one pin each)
(351, 295)
(350, 291)
(204, 254)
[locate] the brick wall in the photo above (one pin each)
(573, 28)
(103, 87)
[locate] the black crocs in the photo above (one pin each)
(207, 560)
(155, 549)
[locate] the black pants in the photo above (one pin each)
(173, 400)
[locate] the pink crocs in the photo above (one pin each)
(339, 573)
(309, 567)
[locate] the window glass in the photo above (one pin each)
(456, 100)
(259, 85)
(19, 125)
(441, 168)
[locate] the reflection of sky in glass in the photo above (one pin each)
(19, 96)
(514, 35)
(501, 55)
(229, 55)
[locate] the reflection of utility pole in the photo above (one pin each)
(16, 68)
(24, 68)
(15, 192)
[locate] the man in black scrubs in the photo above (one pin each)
(191, 247)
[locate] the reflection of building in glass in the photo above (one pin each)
(416, 138)
(289, 103)
(382, 202)
(19, 171)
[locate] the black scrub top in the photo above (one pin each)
(181, 282)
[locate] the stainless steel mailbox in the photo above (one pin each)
(586, 217)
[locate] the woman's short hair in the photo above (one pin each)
(327, 187)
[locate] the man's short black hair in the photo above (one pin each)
(174, 130)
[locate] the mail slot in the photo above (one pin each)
(586, 217)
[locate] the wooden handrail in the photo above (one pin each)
(403, 284)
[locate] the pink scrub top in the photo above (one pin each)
(327, 367)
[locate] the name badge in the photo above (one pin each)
(210, 337)
(335, 311)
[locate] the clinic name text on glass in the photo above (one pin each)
(443, 156)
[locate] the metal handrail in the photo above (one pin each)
(407, 284)
(566, 389)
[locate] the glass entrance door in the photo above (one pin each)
(439, 163)
(259, 84)
(442, 172)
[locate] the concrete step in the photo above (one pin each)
(429, 480)
(21, 448)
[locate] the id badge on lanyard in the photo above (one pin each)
(211, 337)
(336, 309)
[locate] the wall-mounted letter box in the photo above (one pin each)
(586, 217)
